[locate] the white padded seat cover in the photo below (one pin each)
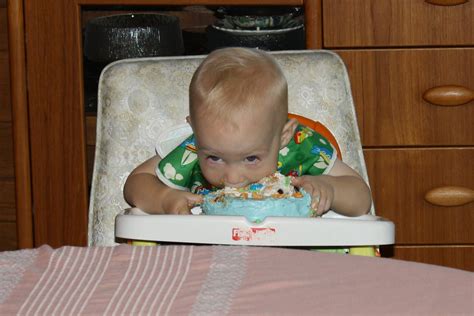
(140, 98)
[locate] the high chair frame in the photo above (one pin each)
(140, 100)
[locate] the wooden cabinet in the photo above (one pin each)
(395, 51)
(408, 59)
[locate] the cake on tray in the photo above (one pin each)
(271, 196)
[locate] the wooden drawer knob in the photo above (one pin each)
(449, 95)
(449, 196)
(446, 2)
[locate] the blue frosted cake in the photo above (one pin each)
(272, 196)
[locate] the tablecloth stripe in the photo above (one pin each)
(75, 292)
(228, 269)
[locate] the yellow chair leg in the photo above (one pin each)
(142, 243)
(368, 251)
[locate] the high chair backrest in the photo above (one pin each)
(139, 99)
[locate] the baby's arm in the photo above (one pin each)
(144, 190)
(342, 189)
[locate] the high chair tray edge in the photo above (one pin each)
(330, 230)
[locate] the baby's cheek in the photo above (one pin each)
(213, 176)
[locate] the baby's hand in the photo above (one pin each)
(321, 191)
(180, 202)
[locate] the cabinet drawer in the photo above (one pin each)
(375, 23)
(459, 257)
(388, 88)
(400, 178)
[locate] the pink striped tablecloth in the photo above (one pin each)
(217, 280)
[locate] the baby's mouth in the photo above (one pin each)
(236, 186)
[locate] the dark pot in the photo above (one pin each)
(281, 39)
(115, 37)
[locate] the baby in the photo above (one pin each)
(238, 111)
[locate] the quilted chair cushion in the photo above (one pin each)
(140, 98)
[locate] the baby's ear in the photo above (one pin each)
(288, 131)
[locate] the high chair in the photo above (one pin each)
(142, 106)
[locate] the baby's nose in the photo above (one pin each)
(234, 179)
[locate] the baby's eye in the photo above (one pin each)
(214, 158)
(252, 159)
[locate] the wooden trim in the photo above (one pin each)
(19, 101)
(57, 132)
(191, 2)
(81, 237)
(313, 23)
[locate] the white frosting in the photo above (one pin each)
(275, 184)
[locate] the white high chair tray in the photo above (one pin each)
(330, 230)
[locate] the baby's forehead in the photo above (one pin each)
(234, 146)
(247, 121)
(246, 135)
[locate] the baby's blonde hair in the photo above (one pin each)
(237, 79)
